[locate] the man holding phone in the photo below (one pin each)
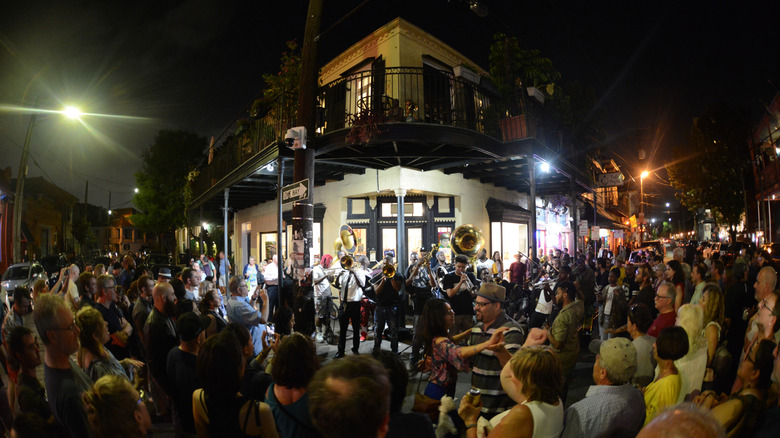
(244, 310)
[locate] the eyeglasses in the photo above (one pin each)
(764, 306)
(479, 305)
(661, 297)
(72, 327)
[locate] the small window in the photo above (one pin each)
(410, 209)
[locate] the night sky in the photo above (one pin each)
(195, 64)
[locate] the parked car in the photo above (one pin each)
(21, 274)
(773, 249)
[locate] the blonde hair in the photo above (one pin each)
(691, 318)
(538, 369)
(110, 405)
(714, 307)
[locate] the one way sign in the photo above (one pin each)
(297, 191)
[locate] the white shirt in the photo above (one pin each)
(353, 280)
(322, 289)
(610, 294)
(271, 274)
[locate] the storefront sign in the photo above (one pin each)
(617, 234)
(610, 179)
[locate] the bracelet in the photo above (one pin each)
(469, 426)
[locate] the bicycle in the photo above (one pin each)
(333, 312)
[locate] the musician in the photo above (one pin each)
(484, 263)
(352, 281)
(388, 298)
(459, 288)
(322, 293)
(420, 281)
(441, 267)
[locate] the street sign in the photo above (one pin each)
(594, 232)
(610, 179)
(296, 191)
(582, 228)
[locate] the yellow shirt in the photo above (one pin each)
(660, 394)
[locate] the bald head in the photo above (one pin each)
(163, 296)
(683, 421)
(73, 271)
(677, 254)
(765, 282)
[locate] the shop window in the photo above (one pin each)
(508, 239)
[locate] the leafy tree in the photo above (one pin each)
(163, 191)
(708, 172)
(82, 232)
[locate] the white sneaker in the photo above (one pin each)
(319, 337)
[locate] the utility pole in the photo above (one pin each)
(303, 166)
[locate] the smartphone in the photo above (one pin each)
(270, 329)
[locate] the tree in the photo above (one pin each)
(708, 172)
(163, 190)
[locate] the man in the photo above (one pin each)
(271, 274)
(484, 264)
(388, 300)
(164, 275)
(350, 397)
(29, 396)
(619, 260)
(206, 266)
(118, 326)
(563, 335)
(191, 280)
(716, 273)
(585, 280)
(517, 271)
(89, 289)
(677, 254)
(613, 405)
(351, 294)
(181, 370)
(664, 303)
(321, 284)
(160, 334)
(222, 271)
(771, 426)
(116, 271)
(767, 321)
(65, 382)
(143, 304)
(459, 287)
(70, 289)
(243, 310)
(127, 273)
(698, 277)
(684, 420)
(488, 364)
(14, 318)
(602, 278)
(420, 282)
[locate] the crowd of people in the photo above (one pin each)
(692, 342)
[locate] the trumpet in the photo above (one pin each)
(388, 271)
(425, 260)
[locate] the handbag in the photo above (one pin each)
(424, 404)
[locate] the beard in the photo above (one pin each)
(170, 308)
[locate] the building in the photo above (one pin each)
(120, 235)
(764, 155)
(408, 144)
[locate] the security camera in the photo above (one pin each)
(296, 138)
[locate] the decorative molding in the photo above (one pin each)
(430, 200)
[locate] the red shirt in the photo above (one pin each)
(517, 273)
(663, 321)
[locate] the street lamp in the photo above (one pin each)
(70, 112)
(667, 205)
(642, 177)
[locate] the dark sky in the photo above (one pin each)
(195, 64)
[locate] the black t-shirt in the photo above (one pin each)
(113, 316)
(64, 389)
(389, 296)
(411, 425)
(462, 302)
(183, 381)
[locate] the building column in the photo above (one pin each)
(225, 211)
(401, 231)
(574, 216)
(532, 206)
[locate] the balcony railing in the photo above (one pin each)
(407, 94)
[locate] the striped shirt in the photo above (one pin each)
(486, 369)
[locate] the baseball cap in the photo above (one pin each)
(190, 325)
(617, 356)
(492, 291)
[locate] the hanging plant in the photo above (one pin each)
(365, 125)
(560, 204)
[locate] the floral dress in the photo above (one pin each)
(446, 361)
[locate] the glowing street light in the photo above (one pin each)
(643, 175)
(72, 112)
(136, 189)
(667, 205)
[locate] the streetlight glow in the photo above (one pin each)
(136, 190)
(667, 204)
(205, 225)
(72, 112)
(645, 174)
(545, 167)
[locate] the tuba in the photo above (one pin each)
(467, 240)
(346, 240)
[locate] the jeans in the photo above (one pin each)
(273, 300)
(603, 328)
(385, 315)
(351, 314)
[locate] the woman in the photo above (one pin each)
(115, 409)
(100, 269)
(223, 270)
(446, 357)
(252, 272)
(209, 306)
(712, 304)
(93, 358)
(738, 413)
(533, 379)
(219, 408)
(676, 275)
(284, 321)
(41, 286)
(498, 266)
(639, 321)
(671, 345)
(694, 364)
(295, 364)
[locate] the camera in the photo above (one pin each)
(295, 138)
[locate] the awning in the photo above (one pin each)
(606, 220)
(502, 211)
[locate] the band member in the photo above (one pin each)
(352, 281)
(459, 287)
(420, 281)
(388, 298)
